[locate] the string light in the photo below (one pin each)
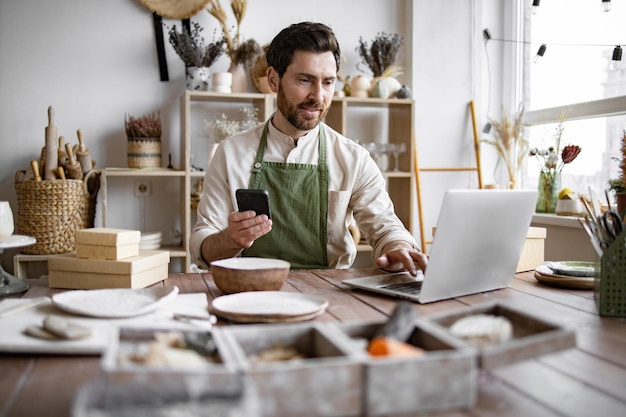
(605, 5)
(540, 52)
(616, 61)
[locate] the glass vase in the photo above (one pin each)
(548, 192)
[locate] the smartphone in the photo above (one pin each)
(257, 200)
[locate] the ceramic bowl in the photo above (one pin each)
(233, 275)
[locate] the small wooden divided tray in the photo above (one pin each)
(532, 336)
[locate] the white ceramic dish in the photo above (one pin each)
(114, 303)
(269, 306)
(546, 276)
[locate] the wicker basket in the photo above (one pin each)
(52, 211)
(144, 153)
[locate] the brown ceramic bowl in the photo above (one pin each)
(249, 274)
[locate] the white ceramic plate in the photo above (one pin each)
(572, 268)
(269, 306)
(114, 303)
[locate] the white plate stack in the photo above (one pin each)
(150, 241)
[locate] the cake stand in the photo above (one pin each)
(8, 283)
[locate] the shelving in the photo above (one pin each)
(370, 119)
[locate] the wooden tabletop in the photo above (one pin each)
(583, 381)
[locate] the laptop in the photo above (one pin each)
(477, 246)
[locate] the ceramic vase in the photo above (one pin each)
(548, 192)
(6, 220)
(222, 82)
(360, 86)
(240, 78)
(197, 78)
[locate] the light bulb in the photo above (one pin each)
(606, 5)
(540, 52)
(535, 6)
(616, 59)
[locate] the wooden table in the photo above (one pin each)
(585, 381)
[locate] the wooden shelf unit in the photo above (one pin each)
(399, 128)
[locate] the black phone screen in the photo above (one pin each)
(256, 200)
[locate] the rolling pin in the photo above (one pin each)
(82, 154)
(34, 166)
(52, 155)
(74, 170)
(63, 159)
(60, 173)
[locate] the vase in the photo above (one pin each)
(548, 192)
(6, 220)
(240, 78)
(222, 82)
(197, 78)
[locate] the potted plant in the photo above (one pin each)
(618, 185)
(144, 140)
(380, 57)
(241, 53)
(198, 57)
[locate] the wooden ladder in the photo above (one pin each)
(417, 170)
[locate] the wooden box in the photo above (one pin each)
(147, 268)
(532, 336)
(327, 382)
(180, 385)
(533, 250)
(443, 379)
(107, 243)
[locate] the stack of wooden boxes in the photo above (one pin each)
(108, 258)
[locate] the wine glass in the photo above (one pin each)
(373, 149)
(397, 149)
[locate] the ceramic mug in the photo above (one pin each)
(6, 220)
(222, 82)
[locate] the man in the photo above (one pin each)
(317, 179)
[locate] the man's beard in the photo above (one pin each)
(300, 122)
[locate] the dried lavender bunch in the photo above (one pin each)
(148, 126)
(382, 53)
(189, 45)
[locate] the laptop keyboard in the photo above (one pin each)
(413, 287)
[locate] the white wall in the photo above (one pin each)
(95, 61)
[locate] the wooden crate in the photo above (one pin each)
(443, 379)
(532, 336)
(328, 382)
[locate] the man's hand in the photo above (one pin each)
(403, 259)
(245, 227)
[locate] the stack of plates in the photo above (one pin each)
(269, 306)
(150, 241)
(567, 274)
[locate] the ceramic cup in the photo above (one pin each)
(6, 220)
(222, 82)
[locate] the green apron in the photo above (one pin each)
(299, 206)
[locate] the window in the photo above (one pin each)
(572, 82)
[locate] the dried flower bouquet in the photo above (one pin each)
(381, 56)
(190, 47)
(148, 126)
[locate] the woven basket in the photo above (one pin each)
(144, 153)
(52, 211)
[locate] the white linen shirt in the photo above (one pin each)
(356, 189)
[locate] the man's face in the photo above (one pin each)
(306, 89)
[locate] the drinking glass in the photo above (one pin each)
(397, 149)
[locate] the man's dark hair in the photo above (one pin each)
(306, 36)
